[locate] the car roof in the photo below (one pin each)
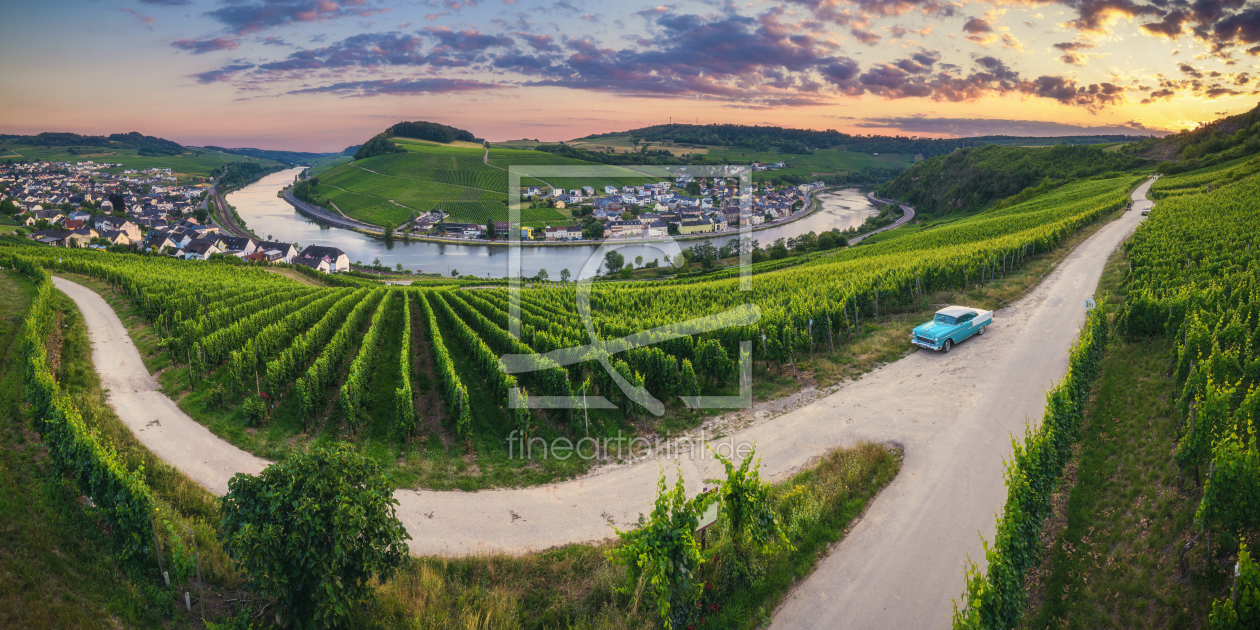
(955, 311)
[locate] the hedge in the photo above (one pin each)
(74, 449)
(996, 599)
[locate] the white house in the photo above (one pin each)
(337, 259)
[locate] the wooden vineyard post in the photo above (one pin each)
(831, 344)
(157, 550)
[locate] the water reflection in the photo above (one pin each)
(268, 215)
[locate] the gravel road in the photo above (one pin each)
(901, 565)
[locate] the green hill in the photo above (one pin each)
(972, 178)
(803, 141)
(414, 176)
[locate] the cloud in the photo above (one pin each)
(167, 3)
(979, 31)
(754, 61)
(964, 127)
(866, 37)
(1094, 16)
(1072, 52)
(400, 88)
(847, 11)
(372, 50)
(245, 16)
(222, 74)
(144, 19)
(202, 46)
(1093, 97)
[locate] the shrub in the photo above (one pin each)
(312, 532)
(255, 411)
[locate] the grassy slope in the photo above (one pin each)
(972, 178)
(56, 566)
(1120, 518)
(454, 179)
(56, 557)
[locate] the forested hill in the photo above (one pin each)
(423, 130)
(288, 157)
(1208, 144)
(148, 145)
(789, 140)
(971, 178)
(420, 130)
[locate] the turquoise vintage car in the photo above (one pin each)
(950, 326)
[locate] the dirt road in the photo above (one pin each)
(155, 419)
(899, 567)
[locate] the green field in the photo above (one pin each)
(459, 180)
(195, 163)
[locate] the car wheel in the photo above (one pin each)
(948, 344)
(982, 329)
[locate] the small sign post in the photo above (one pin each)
(708, 518)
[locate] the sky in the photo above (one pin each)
(320, 75)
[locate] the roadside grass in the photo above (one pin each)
(295, 276)
(55, 567)
(1120, 519)
(575, 586)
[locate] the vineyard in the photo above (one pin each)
(268, 361)
(456, 180)
(1195, 280)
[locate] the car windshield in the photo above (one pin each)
(944, 319)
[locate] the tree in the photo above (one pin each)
(613, 262)
(120, 205)
(592, 228)
(490, 229)
(454, 273)
(627, 272)
(9, 207)
(565, 275)
(778, 251)
(312, 532)
(704, 253)
(399, 267)
(542, 275)
(376, 262)
(638, 261)
(201, 215)
(389, 231)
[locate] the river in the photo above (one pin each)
(270, 216)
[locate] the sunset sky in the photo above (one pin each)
(319, 75)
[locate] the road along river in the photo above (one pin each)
(267, 214)
(899, 567)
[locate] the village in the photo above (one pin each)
(688, 206)
(85, 205)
